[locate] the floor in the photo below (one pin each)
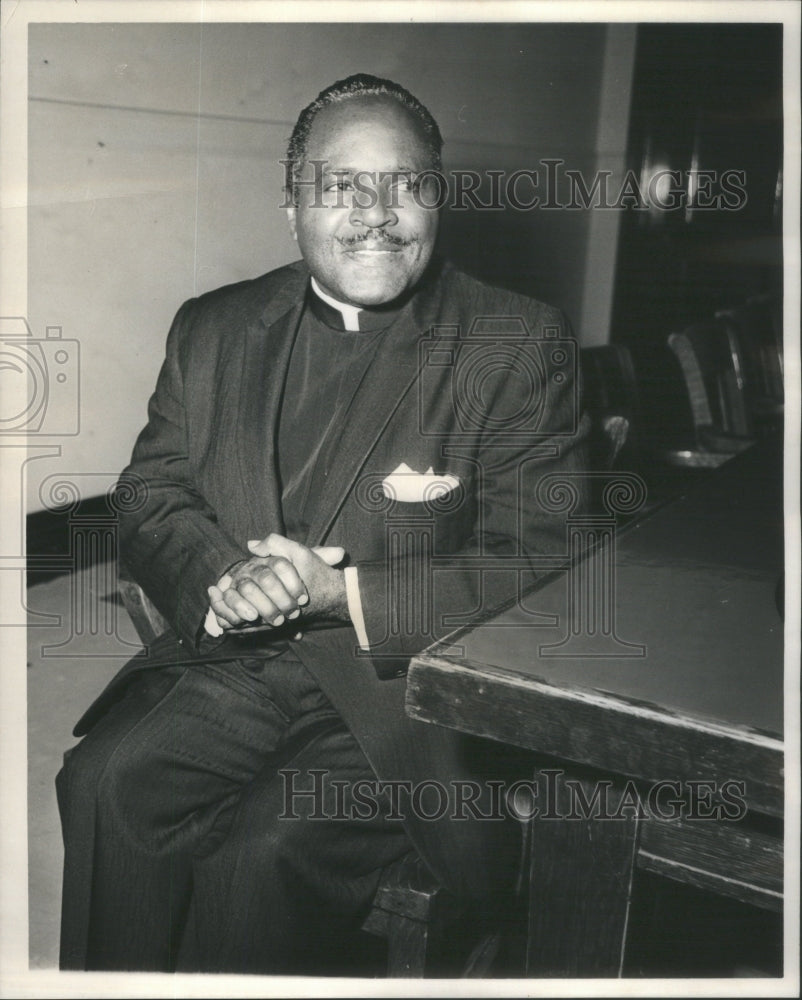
(68, 665)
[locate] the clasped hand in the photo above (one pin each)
(281, 580)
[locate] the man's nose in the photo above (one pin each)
(374, 208)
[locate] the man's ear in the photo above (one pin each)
(291, 221)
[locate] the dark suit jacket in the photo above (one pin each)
(203, 480)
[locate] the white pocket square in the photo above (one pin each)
(409, 486)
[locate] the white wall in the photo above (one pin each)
(154, 174)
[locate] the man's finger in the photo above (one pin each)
(234, 601)
(256, 592)
(221, 609)
(266, 588)
(270, 545)
(291, 581)
(330, 554)
(278, 545)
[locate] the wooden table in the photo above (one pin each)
(666, 666)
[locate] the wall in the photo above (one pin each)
(154, 174)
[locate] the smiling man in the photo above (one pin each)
(361, 225)
(341, 464)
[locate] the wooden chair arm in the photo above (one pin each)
(148, 622)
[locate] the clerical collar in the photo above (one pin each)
(342, 316)
(349, 314)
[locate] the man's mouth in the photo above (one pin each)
(373, 251)
(372, 244)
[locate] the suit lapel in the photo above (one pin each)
(268, 346)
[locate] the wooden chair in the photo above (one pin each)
(412, 911)
(713, 370)
(756, 326)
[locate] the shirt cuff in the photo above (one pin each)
(355, 606)
(210, 625)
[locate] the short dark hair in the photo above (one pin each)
(361, 85)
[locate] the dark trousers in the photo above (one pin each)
(190, 843)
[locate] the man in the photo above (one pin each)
(306, 463)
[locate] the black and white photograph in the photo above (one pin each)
(400, 439)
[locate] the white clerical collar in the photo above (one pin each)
(350, 314)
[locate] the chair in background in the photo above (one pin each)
(610, 396)
(756, 325)
(412, 911)
(712, 366)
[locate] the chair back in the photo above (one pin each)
(756, 326)
(713, 369)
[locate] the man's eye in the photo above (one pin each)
(405, 184)
(339, 186)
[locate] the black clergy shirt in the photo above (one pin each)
(326, 367)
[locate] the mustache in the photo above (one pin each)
(376, 237)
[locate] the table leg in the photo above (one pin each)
(582, 863)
